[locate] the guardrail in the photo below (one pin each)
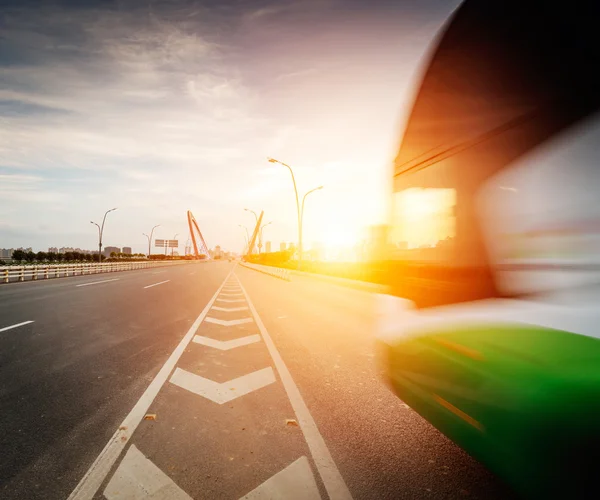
(47, 271)
(278, 272)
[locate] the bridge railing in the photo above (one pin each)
(47, 271)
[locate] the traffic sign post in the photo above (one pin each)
(166, 244)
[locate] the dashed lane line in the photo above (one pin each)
(93, 478)
(332, 479)
(230, 300)
(97, 282)
(156, 284)
(6, 328)
(229, 309)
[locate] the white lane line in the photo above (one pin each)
(225, 322)
(15, 326)
(295, 482)
(230, 301)
(229, 309)
(93, 478)
(231, 294)
(227, 391)
(138, 477)
(156, 284)
(227, 344)
(159, 272)
(96, 282)
(332, 479)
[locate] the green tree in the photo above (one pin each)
(30, 256)
(89, 257)
(51, 256)
(69, 257)
(60, 257)
(41, 256)
(18, 255)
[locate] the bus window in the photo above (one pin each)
(504, 79)
(541, 215)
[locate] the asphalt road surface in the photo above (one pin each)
(208, 380)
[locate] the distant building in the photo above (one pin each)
(6, 253)
(268, 247)
(218, 253)
(108, 250)
(282, 246)
(53, 250)
(127, 250)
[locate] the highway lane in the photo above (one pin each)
(227, 419)
(70, 377)
(382, 448)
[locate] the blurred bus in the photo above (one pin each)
(491, 329)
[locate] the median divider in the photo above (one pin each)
(286, 274)
(278, 272)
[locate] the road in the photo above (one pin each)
(208, 380)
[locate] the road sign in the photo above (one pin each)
(166, 243)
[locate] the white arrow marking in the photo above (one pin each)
(228, 344)
(234, 300)
(224, 322)
(295, 482)
(227, 391)
(137, 478)
(229, 309)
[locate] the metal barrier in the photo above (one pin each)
(278, 272)
(35, 272)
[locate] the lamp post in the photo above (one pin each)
(300, 250)
(173, 248)
(260, 238)
(273, 160)
(150, 239)
(101, 232)
(255, 222)
(247, 236)
(299, 210)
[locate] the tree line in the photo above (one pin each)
(50, 257)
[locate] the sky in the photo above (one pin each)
(159, 107)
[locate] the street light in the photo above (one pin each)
(255, 222)
(260, 239)
(101, 232)
(247, 236)
(299, 210)
(273, 160)
(300, 250)
(173, 248)
(150, 239)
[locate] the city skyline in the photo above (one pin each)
(159, 112)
